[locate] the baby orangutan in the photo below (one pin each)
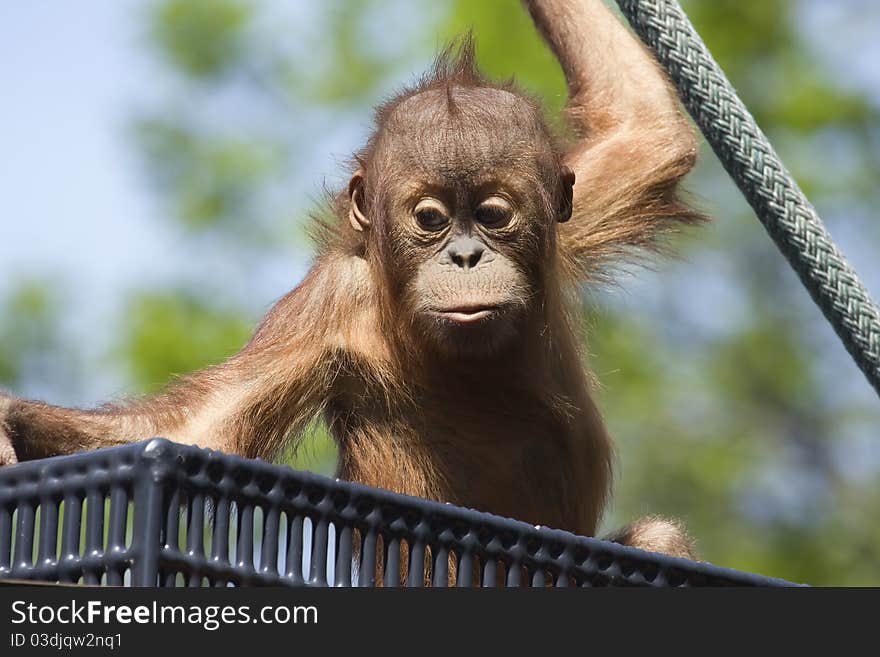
(434, 330)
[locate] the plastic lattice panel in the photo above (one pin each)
(160, 514)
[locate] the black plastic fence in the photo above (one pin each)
(160, 514)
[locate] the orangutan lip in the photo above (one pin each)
(467, 314)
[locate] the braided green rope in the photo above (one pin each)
(750, 160)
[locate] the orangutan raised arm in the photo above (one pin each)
(634, 145)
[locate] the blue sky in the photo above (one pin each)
(71, 188)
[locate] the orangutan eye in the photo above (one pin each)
(431, 214)
(494, 212)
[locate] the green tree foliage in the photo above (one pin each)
(209, 179)
(201, 38)
(35, 350)
(171, 333)
(27, 329)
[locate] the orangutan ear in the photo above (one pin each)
(566, 181)
(356, 215)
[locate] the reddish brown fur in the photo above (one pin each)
(510, 428)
